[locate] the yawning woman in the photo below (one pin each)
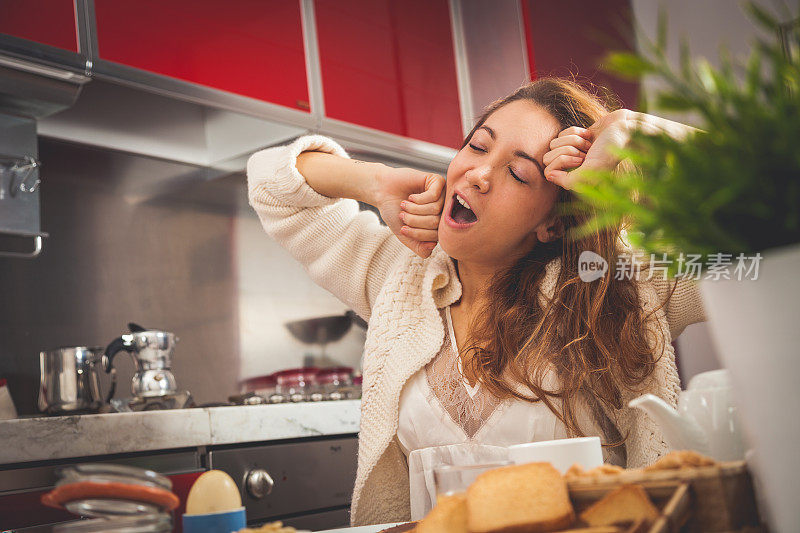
(480, 328)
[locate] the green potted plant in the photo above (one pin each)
(728, 195)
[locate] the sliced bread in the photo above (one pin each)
(625, 504)
(449, 515)
(526, 498)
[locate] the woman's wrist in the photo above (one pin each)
(338, 177)
(652, 125)
(371, 182)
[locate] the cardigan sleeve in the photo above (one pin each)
(344, 250)
(683, 306)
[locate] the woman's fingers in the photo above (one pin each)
(559, 177)
(434, 185)
(420, 234)
(420, 221)
(581, 143)
(555, 171)
(565, 151)
(577, 130)
(563, 162)
(422, 249)
(421, 209)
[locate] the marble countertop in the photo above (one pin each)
(37, 439)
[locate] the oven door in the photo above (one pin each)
(305, 483)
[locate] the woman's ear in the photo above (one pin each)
(550, 229)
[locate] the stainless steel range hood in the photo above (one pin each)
(36, 91)
(28, 92)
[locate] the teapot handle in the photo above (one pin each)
(117, 345)
(113, 387)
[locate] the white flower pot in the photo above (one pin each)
(755, 325)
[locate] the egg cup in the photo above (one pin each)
(225, 521)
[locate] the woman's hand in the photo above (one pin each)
(580, 149)
(410, 203)
(588, 148)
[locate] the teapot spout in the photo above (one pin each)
(680, 432)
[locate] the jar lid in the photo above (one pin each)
(334, 374)
(100, 472)
(260, 382)
(336, 370)
(297, 375)
(105, 490)
(153, 523)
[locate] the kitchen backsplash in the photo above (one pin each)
(155, 242)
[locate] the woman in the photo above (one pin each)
(489, 336)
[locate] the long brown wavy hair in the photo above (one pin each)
(593, 335)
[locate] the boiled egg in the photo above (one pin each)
(213, 492)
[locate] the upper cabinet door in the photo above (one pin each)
(252, 48)
(50, 22)
(390, 65)
(594, 29)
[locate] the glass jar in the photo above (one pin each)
(119, 497)
(335, 382)
(297, 384)
(355, 391)
(158, 523)
(264, 386)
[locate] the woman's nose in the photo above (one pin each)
(479, 178)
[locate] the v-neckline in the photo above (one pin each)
(472, 390)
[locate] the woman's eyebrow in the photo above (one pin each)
(489, 130)
(523, 155)
(518, 153)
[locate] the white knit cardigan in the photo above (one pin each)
(349, 253)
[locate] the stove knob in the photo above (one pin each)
(259, 483)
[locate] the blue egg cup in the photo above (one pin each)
(224, 522)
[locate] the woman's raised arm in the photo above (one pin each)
(305, 196)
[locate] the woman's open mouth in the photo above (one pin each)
(459, 215)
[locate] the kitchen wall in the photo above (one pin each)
(155, 242)
(273, 289)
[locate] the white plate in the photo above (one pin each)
(362, 529)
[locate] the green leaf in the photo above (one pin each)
(661, 39)
(759, 15)
(627, 65)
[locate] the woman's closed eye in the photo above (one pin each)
(516, 177)
(514, 174)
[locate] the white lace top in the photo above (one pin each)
(438, 407)
(445, 420)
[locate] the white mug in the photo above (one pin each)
(561, 453)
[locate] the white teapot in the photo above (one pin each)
(706, 420)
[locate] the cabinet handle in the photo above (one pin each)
(259, 483)
(37, 246)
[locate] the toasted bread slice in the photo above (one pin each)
(681, 459)
(449, 515)
(633, 528)
(626, 504)
(402, 528)
(522, 498)
(575, 470)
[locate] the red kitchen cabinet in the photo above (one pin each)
(252, 48)
(594, 29)
(390, 65)
(50, 22)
